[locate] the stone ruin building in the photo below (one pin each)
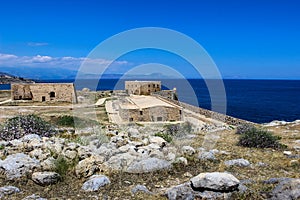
(141, 106)
(44, 92)
(142, 87)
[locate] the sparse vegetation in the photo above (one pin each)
(22, 125)
(259, 138)
(165, 136)
(178, 129)
(243, 128)
(72, 121)
(63, 166)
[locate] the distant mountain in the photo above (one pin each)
(58, 73)
(6, 78)
(41, 73)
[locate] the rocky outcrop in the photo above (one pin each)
(45, 178)
(148, 165)
(8, 190)
(140, 188)
(95, 183)
(215, 181)
(18, 165)
(288, 189)
(237, 162)
(214, 185)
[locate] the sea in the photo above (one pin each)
(259, 101)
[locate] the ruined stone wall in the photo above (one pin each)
(142, 87)
(48, 92)
(208, 113)
(153, 114)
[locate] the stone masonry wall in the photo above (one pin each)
(152, 114)
(48, 92)
(142, 87)
(208, 113)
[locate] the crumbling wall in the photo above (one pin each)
(45, 92)
(142, 87)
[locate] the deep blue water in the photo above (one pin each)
(254, 100)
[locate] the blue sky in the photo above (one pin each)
(246, 39)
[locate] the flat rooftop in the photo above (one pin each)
(141, 102)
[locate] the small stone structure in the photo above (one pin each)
(148, 109)
(44, 92)
(142, 87)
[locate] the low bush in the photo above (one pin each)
(178, 130)
(165, 136)
(65, 120)
(259, 138)
(63, 166)
(70, 121)
(243, 128)
(22, 125)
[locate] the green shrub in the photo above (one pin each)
(178, 130)
(243, 128)
(65, 120)
(21, 125)
(165, 136)
(63, 166)
(259, 138)
(70, 121)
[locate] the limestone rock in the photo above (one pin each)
(120, 161)
(157, 140)
(288, 189)
(216, 181)
(18, 165)
(188, 150)
(88, 166)
(70, 154)
(237, 162)
(39, 154)
(148, 165)
(140, 188)
(84, 152)
(8, 190)
(94, 183)
(45, 178)
(181, 160)
(183, 191)
(133, 133)
(30, 137)
(206, 155)
(34, 197)
(48, 164)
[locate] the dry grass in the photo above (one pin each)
(278, 165)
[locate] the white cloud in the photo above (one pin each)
(37, 44)
(7, 56)
(10, 60)
(41, 59)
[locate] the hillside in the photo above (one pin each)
(8, 78)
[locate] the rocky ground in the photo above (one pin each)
(145, 161)
(130, 162)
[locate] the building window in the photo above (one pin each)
(159, 119)
(141, 112)
(52, 94)
(43, 98)
(148, 85)
(131, 119)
